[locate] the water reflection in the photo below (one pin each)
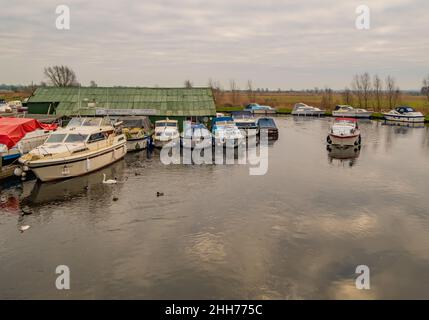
(297, 232)
(344, 154)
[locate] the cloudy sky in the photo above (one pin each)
(278, 44)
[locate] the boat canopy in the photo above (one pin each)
(12, 130)
(136, 122)
(242, 114)
(222, 119)
(405, 109)
(255, 106)
(266, 123)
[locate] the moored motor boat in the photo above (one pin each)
(269, 126)
(258, 109)
(405, 114)
(138, 131)
(347, 111)
(85, 145)
(195, 136)
(246, 123)
(301, 109)
(225, 133)
(166, 131)
(345, 132)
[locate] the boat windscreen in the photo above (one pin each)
(246, 124)
(267, 123)
(165, 124)
(75, 137)
(56, 138)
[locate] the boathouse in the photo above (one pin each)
(157, 103)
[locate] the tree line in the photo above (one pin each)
(365, 91)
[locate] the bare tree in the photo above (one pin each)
(378, 93)
(61, 76)
(93, 84)
(425, 89)
(250, 91)
(234, 91)
(357, 90)
(347, 96)
(188, 84)
(327, 99)
(361, 85)
(366, 88)
(393, 92)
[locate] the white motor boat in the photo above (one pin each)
(225, 133)
(5, 107)
(345, 132)
(246, 123)
(350, 112)
(301, 109)
(85, 145)
(166, 131)
(405, 114)
(137, 130)
(196, 136)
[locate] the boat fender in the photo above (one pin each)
(17, 171)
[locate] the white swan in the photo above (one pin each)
(110, 181)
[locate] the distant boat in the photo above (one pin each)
(4, 107)
(345, 132)
(405, 114)
(85, 145)
(246, 123)
(347, 111)
(166, 131)
(137, 130)
(225, 133)
(268, 125)
(258, 109)
(195, 136)
(301, 109)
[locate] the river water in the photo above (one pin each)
(297, 232)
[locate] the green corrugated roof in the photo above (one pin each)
(166, 101)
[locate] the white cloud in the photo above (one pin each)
(290, 44)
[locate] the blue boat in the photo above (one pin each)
(195, 136)
(225, 132)
(258, 109)
(269, 125)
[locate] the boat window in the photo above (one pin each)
(246, 124)
(56, 138)
(92, 122)
(75, 137)
(97, 137)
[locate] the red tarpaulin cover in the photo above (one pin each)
(12, 130)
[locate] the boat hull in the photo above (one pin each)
(308, 113)
(227, 143)
(63, 168)
(404, 118)
(161, 143)
(352, 140)
(137, 144)
(262, 111)
(362, 115)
